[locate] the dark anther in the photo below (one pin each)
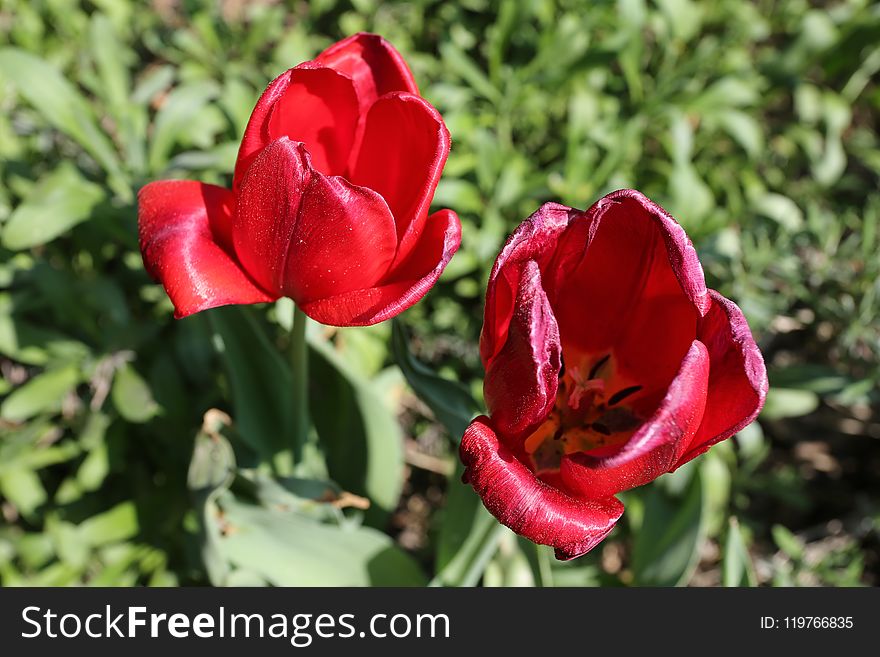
(598, 427)
(598, 366)
(620, 395)
(561, 366)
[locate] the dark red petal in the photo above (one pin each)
(737, 377)
(534, 239)
(269, 202)
(679, 249)
(372, 63)
(650, 345)
(404, 149)
(344, 240)
(521, 380)
(405, 285)
(527, 505)
(184, 237)
(655, 447)
(633, 252)
(315, 106)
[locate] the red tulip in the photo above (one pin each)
(608, 363)
(329, 201)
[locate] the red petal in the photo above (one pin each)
(344, 240)
(185, 242)
(652, 343)
(316, 106)
(534, 239)
(406, 284)
(320, 109)
(527, 505)
(404, 149)
(521, 380)
(737, 379)
(633, 252)
(269, 202)
(256, 134)
(372, 63)
(655, 447)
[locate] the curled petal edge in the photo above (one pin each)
(737, 376)
(519, 500)
(183, 225)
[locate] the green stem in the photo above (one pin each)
(299, 366)
(545, 565)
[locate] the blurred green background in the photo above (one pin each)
(753, 123)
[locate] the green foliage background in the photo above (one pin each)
(753, 123)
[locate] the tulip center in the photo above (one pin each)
(592, 412)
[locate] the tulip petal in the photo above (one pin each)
(404, 149)
(320, 109)
(256, 133)
(534, 239)
(184, 230)
(344, 240)
(522, 379)
(634, 252)
(364, 307)
(309, 104)
(737, 380)
(528, 506)
(269, 201)
(372, 63)
(654, 448)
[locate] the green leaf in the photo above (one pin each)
(309, 497)
(23, 488)
(176, 117)
(58, 202)
(788, 402)
(745, 130)
(212, 466)
(450, 402)
(467, 538)
(61, 105)
(132, 397)
(42, 394)
(737, 567)
(116, 524)
(788, 542)
(111, 59)
(289, 549)
(509, 567)
(666, 548)
(94, 468)
(260, 381)
(458, 63)
(211, 472)
(359, 434)
(782, 210)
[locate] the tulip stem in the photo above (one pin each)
(299, 366)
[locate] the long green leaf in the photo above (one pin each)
(290, 549)
(260, 382)
(450, 402)
(359, 434)
(59, 201)
(666, 547)
(64, 107)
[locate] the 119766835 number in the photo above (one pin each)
(807, 622)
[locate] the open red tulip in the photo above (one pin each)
(608, 363)
(329, 201)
